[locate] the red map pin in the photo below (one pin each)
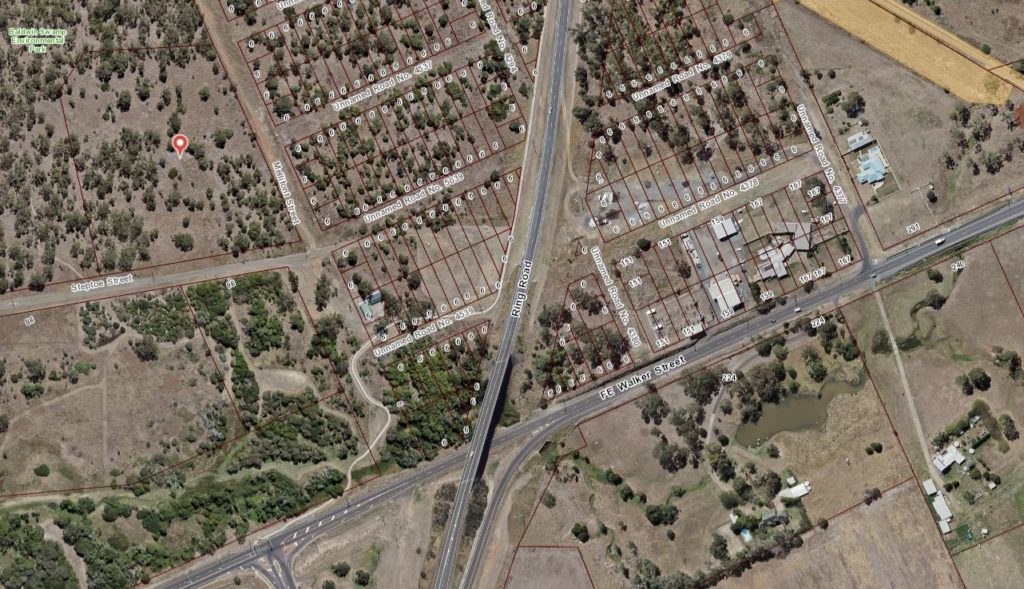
(180, 143)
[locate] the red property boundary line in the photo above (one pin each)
(233, 15)
(839, 309)
(227, 443)
(745, 562)
(924, 231)
(568, 303)
(990, 243)
(696, 290)
(391, 172)
(446, 401)
(405, 238)
(81, 192)
(311, 63)
(1016, 300)
(538, 547)
(673, 156)
(950, 47)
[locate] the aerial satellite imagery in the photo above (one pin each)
(511, 294)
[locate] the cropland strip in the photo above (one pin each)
(933, 52)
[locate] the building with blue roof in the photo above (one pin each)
(872, 167)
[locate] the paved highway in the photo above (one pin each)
(536, 429)
(448, 558)
(718, 345)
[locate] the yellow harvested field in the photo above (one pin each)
(923, 46)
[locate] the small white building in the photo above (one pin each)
(725, 229)
(947, 458)
(796, 491)
(859, 140)
(944, 526)
(941, 507)
(929, 487)
(723, 292)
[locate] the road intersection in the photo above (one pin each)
(271, 556)
(535, 430)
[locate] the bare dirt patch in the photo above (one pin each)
(548, 568)
(949, 323)
(82, 403)
(146, 205)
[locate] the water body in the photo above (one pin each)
(795, 413)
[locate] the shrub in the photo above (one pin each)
(729, 499)
(719, 547)
(853, 105)
(934, 300)
(581, 532)
(362, 578)
(146, 349)
(661, 514)
(980, 379)
(341, 569)
(1008, 426)
(183, 241)
(612, 477)
(42, 470)
(625, 492)
(832, 99)
(871, 495)
(548, 500)
(880, 343)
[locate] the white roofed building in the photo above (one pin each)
(723, 292)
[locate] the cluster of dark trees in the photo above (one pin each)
(972, 136)
(433, 384)
(298, 431)
(28, 559)
(41, 198)
(113, 561)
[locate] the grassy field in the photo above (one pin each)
(78, 399)
(891, 543)
(987, 566)
(938, 346)
(834, 459)
(910, 118)
(549, 568)
(923, 46)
